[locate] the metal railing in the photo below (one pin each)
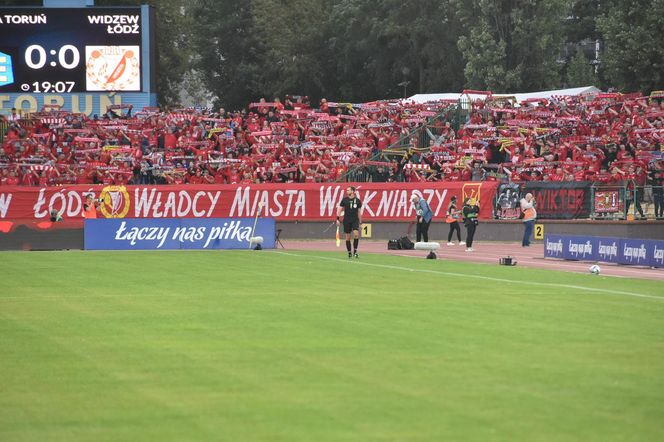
(627, 202)
(4, 124)
(418, 140)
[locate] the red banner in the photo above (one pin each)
(310, 202)
(609, 202)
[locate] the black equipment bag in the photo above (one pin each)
(406, 243)
(394, 244)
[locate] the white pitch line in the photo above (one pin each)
(487, 278)
(567, 266)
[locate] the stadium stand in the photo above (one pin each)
(607, 138)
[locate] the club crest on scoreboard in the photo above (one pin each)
(112, 68)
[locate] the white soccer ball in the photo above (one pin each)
(594, 269)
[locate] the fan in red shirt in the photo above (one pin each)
(558, 175)
(4, 175)
(12, 178)
(195, 177)
(580, 173)
(170, 140)
(233, 176)
(218, 175)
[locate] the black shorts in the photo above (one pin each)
(349, 226)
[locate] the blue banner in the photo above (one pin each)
(656, 254)
(608, 249)
(176, 233)
(580, 248)
(641, 252)
(635, 252)
(553, 246)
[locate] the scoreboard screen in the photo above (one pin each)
(65, 50)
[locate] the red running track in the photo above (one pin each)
(485, 252)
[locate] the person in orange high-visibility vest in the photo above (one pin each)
(453, 215)
(529, 217)
(90, 207)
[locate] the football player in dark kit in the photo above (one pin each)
(352, 208)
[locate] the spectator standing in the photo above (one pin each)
(90, 207)
(13, 116)
(470, 211)
(424, 217)
(657, 182)
(634, 185)
(529, 215)
(477, 172)
(453, 214)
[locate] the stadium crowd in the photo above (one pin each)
(606, 138)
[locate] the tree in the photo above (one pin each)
(378, 45)
(356, 57)
(485, 61)
(293, 34)
(580, 72)
(511, 44)
(634, 44)
(422, 36)
(580, 23)
(228, 52)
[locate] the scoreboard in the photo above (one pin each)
(93, 51)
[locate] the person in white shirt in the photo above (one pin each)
(529, 216)
(13, 116)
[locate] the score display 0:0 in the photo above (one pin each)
(46, 87)
(42, 58)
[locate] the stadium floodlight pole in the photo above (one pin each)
(253, 231)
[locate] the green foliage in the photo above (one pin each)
(347, 49)
(580, 72)
(228, 51)
(293, 34)
(352, 65)
(580, 23)
(416, 43)
(511, 45)
(485, 61)
(632, 33)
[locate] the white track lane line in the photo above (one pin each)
(486, 278)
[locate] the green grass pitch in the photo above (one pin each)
(307, 346)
